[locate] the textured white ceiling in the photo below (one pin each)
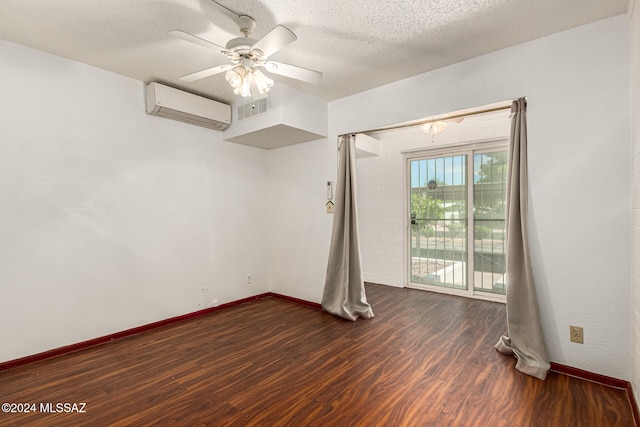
(356, 44)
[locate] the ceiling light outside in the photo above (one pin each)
(438, 127)
(434, 128)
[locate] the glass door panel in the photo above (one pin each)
(438, 206)
(489, 198)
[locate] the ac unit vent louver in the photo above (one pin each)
(252, 109)
(165, 101)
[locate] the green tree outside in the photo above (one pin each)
(493, 167)
(428, 209)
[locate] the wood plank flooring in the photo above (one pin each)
(424, 360)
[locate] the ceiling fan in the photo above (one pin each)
(247, 56)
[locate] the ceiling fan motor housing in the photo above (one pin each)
(246, 24)
(241, 45)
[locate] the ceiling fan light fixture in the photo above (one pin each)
(241, 78)
(245, 89)
(263, 82)
(235, 76)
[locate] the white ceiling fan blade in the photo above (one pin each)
(199, 41)
(205, 73)
(298, 73)
(275, 40)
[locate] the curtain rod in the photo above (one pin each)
(425, 121)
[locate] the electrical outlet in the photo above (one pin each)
(576, 334)
(249, 279)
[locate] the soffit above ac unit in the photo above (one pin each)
(289, 117)
(279, 135)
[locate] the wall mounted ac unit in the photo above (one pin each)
(165, 101)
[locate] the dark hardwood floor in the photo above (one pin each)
(424, 360)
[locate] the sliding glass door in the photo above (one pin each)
(457, 222)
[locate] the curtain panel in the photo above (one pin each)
(344, 293)
(524, 339)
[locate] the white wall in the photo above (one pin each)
(634, 49)
(299, 227)
(110, 218)
(577, 87)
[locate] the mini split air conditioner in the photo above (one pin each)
(165, 101)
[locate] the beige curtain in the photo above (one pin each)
(525, 338)
(344, 293)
